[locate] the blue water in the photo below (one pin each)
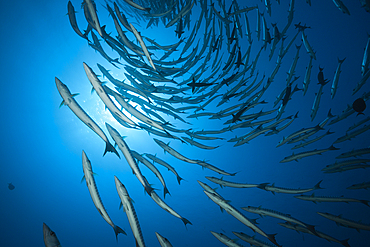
(42, 143)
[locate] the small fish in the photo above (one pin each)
(11, 186)
(359, 105)
(50, 238)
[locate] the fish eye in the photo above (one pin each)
(52, 233)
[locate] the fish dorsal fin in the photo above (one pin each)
(131, 200)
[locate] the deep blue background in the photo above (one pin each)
(42, 144)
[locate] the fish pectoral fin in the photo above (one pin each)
(83, 178)
(61, 104)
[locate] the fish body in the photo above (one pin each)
(163, 241)
(306, 154)
(137, 6)
(96, 83)
(73, 20)
(234, 212)
(94, 17)
(226, 240)
(143, 46)
(334, 86)
(93, 189)
(366, 59)
(308, 46)
(341, 6)
(68, 100)
(287, 217)
(316, 199)
(130, 160)
(165, 164)
(50, 238)
(129, 209)
(223, 182)
(11, 186)
(274, 189)
(345, 222)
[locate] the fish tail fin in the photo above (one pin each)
(149, 190)
(345, 242)
(317, 186)
(329, 114)
(366, 202)
(179, 179)
(165, 191)
(118, 230)
(333, 148)
(341, 60)
(262, 186)
(311, 228)
(109, 148)
(271, 237)
(185, 221)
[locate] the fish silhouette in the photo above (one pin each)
(359, 106)
(11, 186)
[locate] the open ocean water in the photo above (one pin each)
(42, 143)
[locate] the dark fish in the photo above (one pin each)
(11, 186)
(320, 77)
(359, 106)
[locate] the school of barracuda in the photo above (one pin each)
(216, 33)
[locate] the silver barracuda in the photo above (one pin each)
(363, 185)
(93, 189)
(165, 164)
(129, 209)
(132, 110)
(354, 153)
(167, 208)
(298, 156)
(153, 169)
(223, 182)
(226, 240)
(130, 160)
(73, 21)
(353, 134)
(143, 46)
(308, 46)
(341, 6)
(94, 17)
(239, 216)
(163, 241)
(137, 6)
(274, 189)
(197, 144)
(252, 240)
(334, 86)
(299, 228)
(68, 100)
(345, 222)
(316, 199)
(268, 212)
(95, 82)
